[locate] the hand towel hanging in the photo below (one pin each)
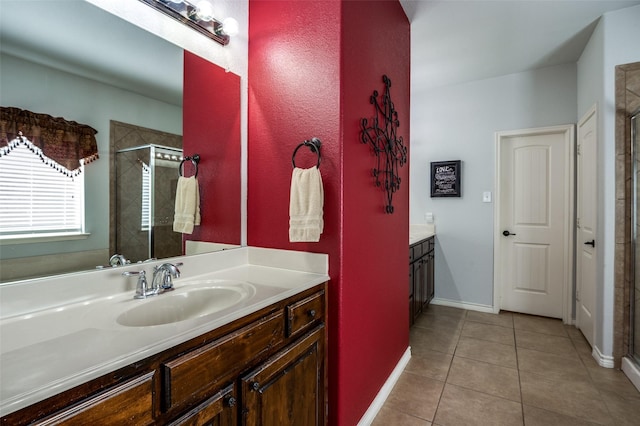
(306, 203)
(187, 209)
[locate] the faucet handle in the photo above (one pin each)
(118, 260)
(142, 288)
(173, 268)
(165, 274)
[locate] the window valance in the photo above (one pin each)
(65, 142)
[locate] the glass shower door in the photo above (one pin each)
(146, 179)
(165, 242)
(133, 172)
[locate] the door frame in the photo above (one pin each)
(568, 130)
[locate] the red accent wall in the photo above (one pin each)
(313, 66)
(211, 128)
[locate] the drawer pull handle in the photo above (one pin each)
(255, 386)
(312, 313)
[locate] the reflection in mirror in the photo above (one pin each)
(142, 192)
(146, 178)
(73, 60)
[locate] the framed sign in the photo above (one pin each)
(445, 178)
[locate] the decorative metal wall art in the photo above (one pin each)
(381, 134)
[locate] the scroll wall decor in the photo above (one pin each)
(381, 134)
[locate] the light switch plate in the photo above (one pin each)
(486, 197)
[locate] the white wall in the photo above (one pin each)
(614, 42)
(459, 122)
(46, 90)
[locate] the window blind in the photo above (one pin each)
(36, 199)
(146, 197)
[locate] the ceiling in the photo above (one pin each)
(453, 41)
(456, 41)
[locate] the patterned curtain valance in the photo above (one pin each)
(65, 142)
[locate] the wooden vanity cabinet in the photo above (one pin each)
(421, 276)
(268, 368)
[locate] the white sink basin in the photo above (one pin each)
(192, 300)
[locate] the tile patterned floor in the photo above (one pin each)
(471, 368)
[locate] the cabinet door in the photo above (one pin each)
(411, 299)
(289, 388)
(424, 281)
(219, 410)
(418, 287)
(430, 276)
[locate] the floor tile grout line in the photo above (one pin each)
(464, 316)
(515, 348)
(549, 353)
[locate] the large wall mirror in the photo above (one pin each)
(74, 60)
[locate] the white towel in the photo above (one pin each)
(187, 212)
(305, 205)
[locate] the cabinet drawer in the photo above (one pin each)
(220, 409)
(416, 252)
(431, 243)
(195, 375)
(424, 247)
(303, 314)
(128, 403)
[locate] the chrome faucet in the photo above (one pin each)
(162, 280)
(163, 276)
(142, 288)
(118, 260)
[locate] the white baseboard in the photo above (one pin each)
(385, 390)
(605, 361)
(632, 371)
(464, 305)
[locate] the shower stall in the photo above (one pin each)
(146, 179)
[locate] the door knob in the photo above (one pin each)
(507, 233)
(591, 243)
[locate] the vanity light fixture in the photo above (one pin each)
(198, 16)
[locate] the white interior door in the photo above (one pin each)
(533, 244)
(586, 225)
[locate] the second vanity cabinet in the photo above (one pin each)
(421, 276)
(268, 368)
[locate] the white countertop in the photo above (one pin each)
(420, 232)
(50, 343)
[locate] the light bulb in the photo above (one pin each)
(230, 26)
(204, 11)
(176, 1)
